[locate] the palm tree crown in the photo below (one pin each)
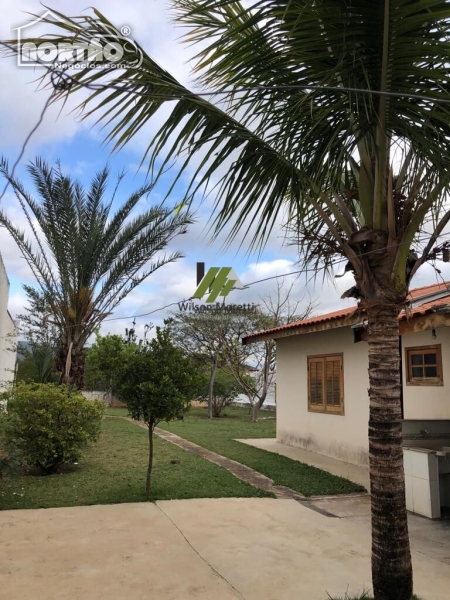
(85, 259)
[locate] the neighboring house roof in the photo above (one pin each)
(423, 300)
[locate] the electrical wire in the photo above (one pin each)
(61, 80)
(25, 143)
(247, 285)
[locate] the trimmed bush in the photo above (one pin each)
(9, 455)
(51, 424)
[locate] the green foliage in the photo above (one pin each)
(157, 381)
(10, 459)
(37, 364)
(86, 260)
(103, 361)
(26, 367)
(36, 325)
(51, 424)
(225, 391)
(317, 102)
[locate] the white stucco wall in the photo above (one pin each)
(8, 338)
(428, 402)
(341, 436)
(346, 436)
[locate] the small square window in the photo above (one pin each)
(424, 365)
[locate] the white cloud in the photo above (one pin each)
(21, 105)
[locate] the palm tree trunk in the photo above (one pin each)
(76, 374)
(77, 369)
(391, 555)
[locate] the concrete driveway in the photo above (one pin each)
(252, 549)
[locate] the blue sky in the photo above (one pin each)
(78, 145)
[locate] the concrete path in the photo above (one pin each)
(428, 537)
(239, 470)
(340, 468)
(219, 549)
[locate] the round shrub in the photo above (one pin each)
(50, 424)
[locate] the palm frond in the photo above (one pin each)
(311, 97)
(86, 263)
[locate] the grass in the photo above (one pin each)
(219, 436)
(113, 471)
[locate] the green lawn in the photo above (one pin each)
(219, 435)
(113, 471)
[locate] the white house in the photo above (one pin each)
(322, 381)
(8, 337)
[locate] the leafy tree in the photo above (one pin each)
(214, 338)
(36, 324)
(94, 258)
(157, 382)
(335, 114)
(253, 365)
(225, 391)
(37, 351)
(104, 360)
(50, 424)
(202, 336)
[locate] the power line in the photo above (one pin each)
(247, 285)
(25, 143)
(62, 80)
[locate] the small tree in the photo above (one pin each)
(104, 360)
(254, 366)
(38, 350)
(202, 337)
(225, 391)
(157, 382)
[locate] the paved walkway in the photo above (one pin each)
(203, 549)
(340, 468)
(239, 470)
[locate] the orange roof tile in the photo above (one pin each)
(429, 289)
(345, 313)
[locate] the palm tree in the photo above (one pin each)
(86, 260)
(334, 114)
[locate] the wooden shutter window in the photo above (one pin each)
(316, 381)
(325, 384)
(333, 382)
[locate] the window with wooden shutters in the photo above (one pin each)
(325, 384)
(424, 365)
